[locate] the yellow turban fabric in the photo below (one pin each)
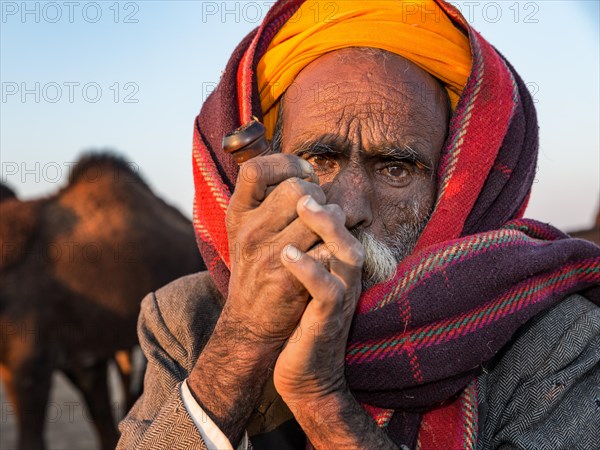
(417, 30)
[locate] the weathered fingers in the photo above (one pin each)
(279, 208)
(345, 253)
(259, 174)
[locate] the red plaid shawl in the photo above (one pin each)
(479, 271)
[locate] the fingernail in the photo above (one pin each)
(311, 204)
(291, 253)
(307, 168)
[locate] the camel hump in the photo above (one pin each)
(6, 192)
(94, 165)
(18, 222)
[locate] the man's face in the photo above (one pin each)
(372, 124)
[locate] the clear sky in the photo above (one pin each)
(131, 76)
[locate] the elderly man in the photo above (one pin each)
(371, 283)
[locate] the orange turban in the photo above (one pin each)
(419, 31)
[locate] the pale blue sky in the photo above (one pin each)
(168, 54)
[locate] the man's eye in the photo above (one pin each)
(322, 164)
(396, 171)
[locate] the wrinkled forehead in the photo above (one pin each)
(368, 88)
(363, 75)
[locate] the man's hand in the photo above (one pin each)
(263, 295)
(265, 302)
(311, 366)
(309, 373)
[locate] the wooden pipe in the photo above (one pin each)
(247, 141)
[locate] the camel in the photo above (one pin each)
(74, 267)
(6, 193)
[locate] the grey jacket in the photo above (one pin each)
(542, 391)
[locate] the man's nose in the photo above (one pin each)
(351, 189)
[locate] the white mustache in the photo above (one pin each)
(380, 262)
(382, 257)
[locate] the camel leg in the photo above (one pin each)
(138, 374)
(137, 379)
(28, 386)
(93, 384)
(131, 365)
(124, 365)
